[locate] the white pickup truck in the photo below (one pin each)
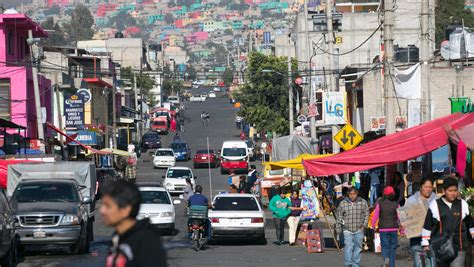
(197, 98)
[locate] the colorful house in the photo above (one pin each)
(17, 102)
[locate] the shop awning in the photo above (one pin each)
(97, 82)
(391, 149)
(8, 124)
(296, 163)
(117, 152)
(466, 134)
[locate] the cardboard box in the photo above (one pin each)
(315, 249)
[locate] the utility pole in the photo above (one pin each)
(425, 58)
(39, 114)
(290, 87)
(388, 64)
(141, 98)
(135, 90)
(306, 89)
(330, 42)
(114, 117)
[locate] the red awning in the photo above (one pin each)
(97, 82)
(466, 134)
(391, 149)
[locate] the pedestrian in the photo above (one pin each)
(203, 118)
(233, 189)
(252, 176)
(131, 170)
(398, 185)
(188, 190)
(173, 125)
(242, 136)
(448, 222)
(388, 224)
(238, 122)
(425, 196)
(352, 217)
(181, 124)
(280, 206)
(294, 218)
(374, 185)
(243, 186)
(208, 119)
(230, 179)
(134, 243)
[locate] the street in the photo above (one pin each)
(222, 253)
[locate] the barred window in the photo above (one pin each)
(5, 99)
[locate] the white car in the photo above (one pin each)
(217, 89)
(173, 99)
(197, 98)
(175, 179)
(250, 148)
(237, 215)
(212, 95)
(163, 158)
(157, 206)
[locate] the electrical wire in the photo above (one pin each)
(352, 50)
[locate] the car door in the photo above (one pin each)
(7, 223)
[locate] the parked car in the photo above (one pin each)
(181, 150)
(197, 98)
(160, 125)
(204, 157)
(164, 157)
(9, 239)
(150, 140)
(54, 203)
(173, 99)
(250, 149)
(212, 95)
(175, 179)
(237, 215)
(217, 89)
(157, 206)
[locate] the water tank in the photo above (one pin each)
(407, 54)
(119, 35)
(450, 29)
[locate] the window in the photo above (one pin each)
(10, 43)
(5, 99)
(155, 197)
(236, 203)
(4, 208)
(180, 174)
(164, 153)
(45, 192)
(234, 152)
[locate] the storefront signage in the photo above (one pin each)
(377, 123)
(88, 138)
(348, 137)
(86, 94)
(74, 110)
(334, 108)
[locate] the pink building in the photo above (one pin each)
(17, 101)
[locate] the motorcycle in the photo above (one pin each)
(197, 226)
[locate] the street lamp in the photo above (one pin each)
(290, 93)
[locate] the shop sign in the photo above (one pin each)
(301, 119)
(377, 123)
(348, 137)
(86, 95)
(74, 110)
(312, 110)
(88, 138)
(334, 108)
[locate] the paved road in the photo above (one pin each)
(230, 253)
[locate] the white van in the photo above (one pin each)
(173, 99)
(234, 157)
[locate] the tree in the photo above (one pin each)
(192, 73)
(53, 10)
(451, 12)
(264, 99)
(144, 82)
(228, 32)
(122, 20)
(171, 86)
(80, 26)
(228, 76)
(169, 18)
(56, 36)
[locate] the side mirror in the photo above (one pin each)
(86, 200)
(219, 151)
(162, 176)
(176, 202)
(181, 196)
(195, 177)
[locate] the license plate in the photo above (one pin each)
(203, 158)
(39, 234)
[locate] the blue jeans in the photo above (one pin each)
(389, 241)
(373, 193)
(352, 248)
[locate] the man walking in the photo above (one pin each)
(134, 243)
(280, 206)
(352, 216)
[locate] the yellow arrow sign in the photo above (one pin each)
(348, 137)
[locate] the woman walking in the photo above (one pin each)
(173, 125)
(386, 214)
(294, 217)
(188, 190)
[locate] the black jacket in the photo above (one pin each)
(138, 247)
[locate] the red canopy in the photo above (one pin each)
(391, 149)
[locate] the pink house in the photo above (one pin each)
(17, 101)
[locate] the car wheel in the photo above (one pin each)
(223, 171)
(11, 256)
(262, 240)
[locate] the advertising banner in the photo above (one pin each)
(334, 108)
(310, 202)
(74, 110)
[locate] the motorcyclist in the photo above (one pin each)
(199, 200)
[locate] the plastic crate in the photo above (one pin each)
(197, 212)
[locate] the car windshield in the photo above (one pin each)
(176, 173)
(205, 151)
(159, 123)
(235, 203)
(234, 152)
(155, 197)
(151, 137)
(178, 146)
(45, 192)
(164, 153)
